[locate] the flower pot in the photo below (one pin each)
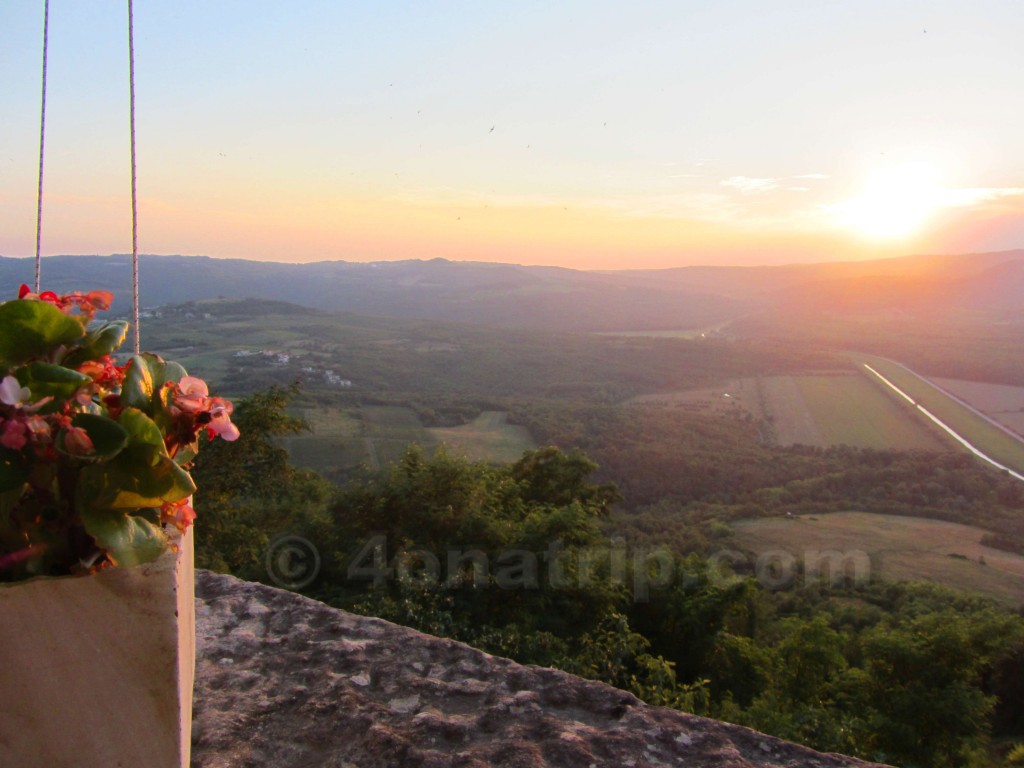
(97, 671)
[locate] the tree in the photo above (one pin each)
(249, 492)
(923, 687)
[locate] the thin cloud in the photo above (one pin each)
(750, 186)
(964, 198)
(707, 206)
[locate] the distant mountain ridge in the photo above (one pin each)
(509, 295)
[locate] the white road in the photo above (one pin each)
(942, 424)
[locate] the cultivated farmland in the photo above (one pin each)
(899, 548)
(389, 429)
(987, 438)
(341, 440)
(786, 409)
(489, 437)
(821, 409)
(374, 435)
(735, 398)
(849, 409)
(1002, 402)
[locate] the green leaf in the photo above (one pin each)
(141, 429)
(108, 437)
(128, 540)
(99, 342)
(144, 381)
(49, 380)
(166, 371)
(34, 329)
(139, 476)
(13, 470)
(137, 388)
(186, 454)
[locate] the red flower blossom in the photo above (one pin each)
(87, 304)
(103, 372)
(178, 513)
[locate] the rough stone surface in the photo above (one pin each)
(283, 681)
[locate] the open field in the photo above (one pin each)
(335, 441)
(822, 408)
(849, 409)
(389, 429)
(736, 396)
(899, 548)
(1002, 402)
(344, 438)
(707, 332)
(207, 365)
(986, 437)
(841, 409)
(488, 437)
(787, 410)
(691, 333)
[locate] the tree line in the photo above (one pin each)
(548, 561)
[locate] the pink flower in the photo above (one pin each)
(12, 393)
(38, 427)
(18, 430)
(192, 395)
(14, 434)
(77, 442)
(12, 559)
(220, 420)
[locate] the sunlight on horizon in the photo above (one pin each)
(586, 135)
(894, 203)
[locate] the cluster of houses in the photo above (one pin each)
(283, 358)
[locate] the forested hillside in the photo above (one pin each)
(612, 548)
(929, 288)
(548, 562)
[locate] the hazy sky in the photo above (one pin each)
(586, 134)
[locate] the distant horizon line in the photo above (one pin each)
(785, 265)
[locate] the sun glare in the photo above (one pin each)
(894, 203)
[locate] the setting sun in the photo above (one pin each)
(894, 203)
(583, 147)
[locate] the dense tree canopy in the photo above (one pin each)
(540, 561)
(248, 490)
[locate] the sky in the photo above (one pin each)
(597, 134)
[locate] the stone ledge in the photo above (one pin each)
(283, 681)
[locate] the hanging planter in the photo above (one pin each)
(96, 600)
(98, 671)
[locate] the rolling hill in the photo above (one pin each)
(514, 296)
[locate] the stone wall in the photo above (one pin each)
(286, 682)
